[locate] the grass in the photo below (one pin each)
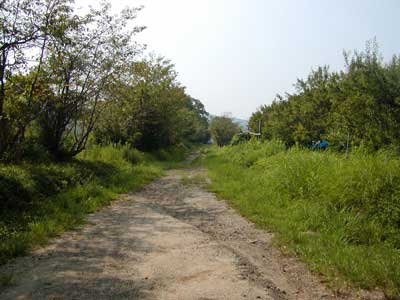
(39, 201)
(341, 216)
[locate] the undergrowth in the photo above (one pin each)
(38, 201)
(342, 216)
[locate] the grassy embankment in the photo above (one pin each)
(341, 216)
(38, 201)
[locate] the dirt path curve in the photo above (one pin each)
(169, 241)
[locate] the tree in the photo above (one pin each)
(366, 103)
(223, 129)
(25, 29)
(149, 109)
(82, 61)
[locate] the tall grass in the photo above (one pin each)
(38, 201)
(342, 216)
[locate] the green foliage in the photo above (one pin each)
(86, 76)
(133, 155)
(80, 65)
(75, 58)
(148, 109)
(360, 103)
(40, 200)
(222, 130)
(27, 27)
(342, 216)
(242, 138)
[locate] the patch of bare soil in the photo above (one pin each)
(169, 241)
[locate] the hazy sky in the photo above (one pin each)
(235, 55)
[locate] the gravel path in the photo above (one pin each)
(169, 241)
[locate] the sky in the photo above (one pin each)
(235, 55)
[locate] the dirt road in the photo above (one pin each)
(172, 240)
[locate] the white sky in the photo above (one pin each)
(235, 55)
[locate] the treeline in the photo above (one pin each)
(359, 105)
(65, 75)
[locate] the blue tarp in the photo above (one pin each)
(321, 145)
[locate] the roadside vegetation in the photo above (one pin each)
(340, 215)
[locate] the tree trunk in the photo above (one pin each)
(3, 124)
